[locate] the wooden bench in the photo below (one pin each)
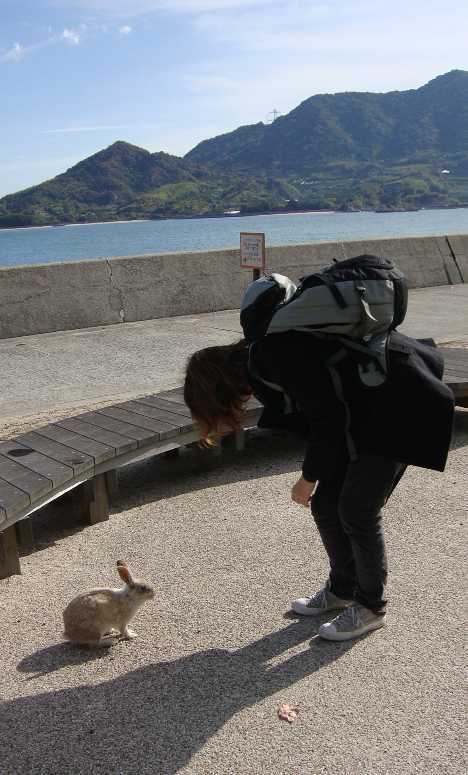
(83, 453)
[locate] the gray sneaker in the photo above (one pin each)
(351, 623)
(320, 603)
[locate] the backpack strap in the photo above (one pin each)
(366, 314)
(334, 290)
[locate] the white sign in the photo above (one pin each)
(252, 250)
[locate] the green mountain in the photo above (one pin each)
(125, 182)
(397, 150)
(355, 150)
(419, 125)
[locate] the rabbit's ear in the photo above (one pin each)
(124, 572)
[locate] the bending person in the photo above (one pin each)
(346, 484)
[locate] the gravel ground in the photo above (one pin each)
(218, 652)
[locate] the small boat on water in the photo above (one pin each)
(231, 212)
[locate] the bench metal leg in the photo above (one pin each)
(9, 559)
(236, 440)
(90, 502)
(24, 534)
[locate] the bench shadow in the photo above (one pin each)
(160, 478)
(460, 429)
(54, 523)
(153, 720)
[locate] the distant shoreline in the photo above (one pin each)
(172, 218)
(62, 225)
(231, 217)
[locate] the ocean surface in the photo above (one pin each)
(52, 244)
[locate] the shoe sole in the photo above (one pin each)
(317, 611)
(328, 635)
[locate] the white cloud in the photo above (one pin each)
(18, 51)
(71, 36)
(125, 29)
(14, 54)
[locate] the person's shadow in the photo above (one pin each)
(154, 719)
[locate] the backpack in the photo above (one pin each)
(355, 302)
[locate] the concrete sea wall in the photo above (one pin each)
(54, 297)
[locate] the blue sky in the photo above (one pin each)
(76, 75)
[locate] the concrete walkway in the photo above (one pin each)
(227, 550)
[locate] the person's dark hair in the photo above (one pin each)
(216, 388)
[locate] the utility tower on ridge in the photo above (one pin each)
(273, 115)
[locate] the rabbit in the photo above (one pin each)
(100, 617)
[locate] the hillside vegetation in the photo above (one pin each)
(399, 150)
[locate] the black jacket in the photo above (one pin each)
(408, 419)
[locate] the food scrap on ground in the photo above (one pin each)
(287, 712)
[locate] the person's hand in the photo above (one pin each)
(302, 491)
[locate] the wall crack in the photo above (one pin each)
(455, 259)
(115, 294)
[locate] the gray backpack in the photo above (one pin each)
(355, 302)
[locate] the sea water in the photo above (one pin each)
(51, 244)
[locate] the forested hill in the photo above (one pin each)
(124, 182)
(350, 151)
(417, 125)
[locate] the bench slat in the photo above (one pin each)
(168, 406)
(70, 457)
(120, 443)
(455, 376)
(451, 373)
(162, 429)
(457, 357)
(176, 395)
(57, 472)
(177, 420)
(12, 500)
(26, 480)
(458, 367)
(100, 452)
(117, 426)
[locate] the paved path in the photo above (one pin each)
(197, 693)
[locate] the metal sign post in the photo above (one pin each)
(252, 252)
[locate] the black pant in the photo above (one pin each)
(347, 510)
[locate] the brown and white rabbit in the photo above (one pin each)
(100, 617)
